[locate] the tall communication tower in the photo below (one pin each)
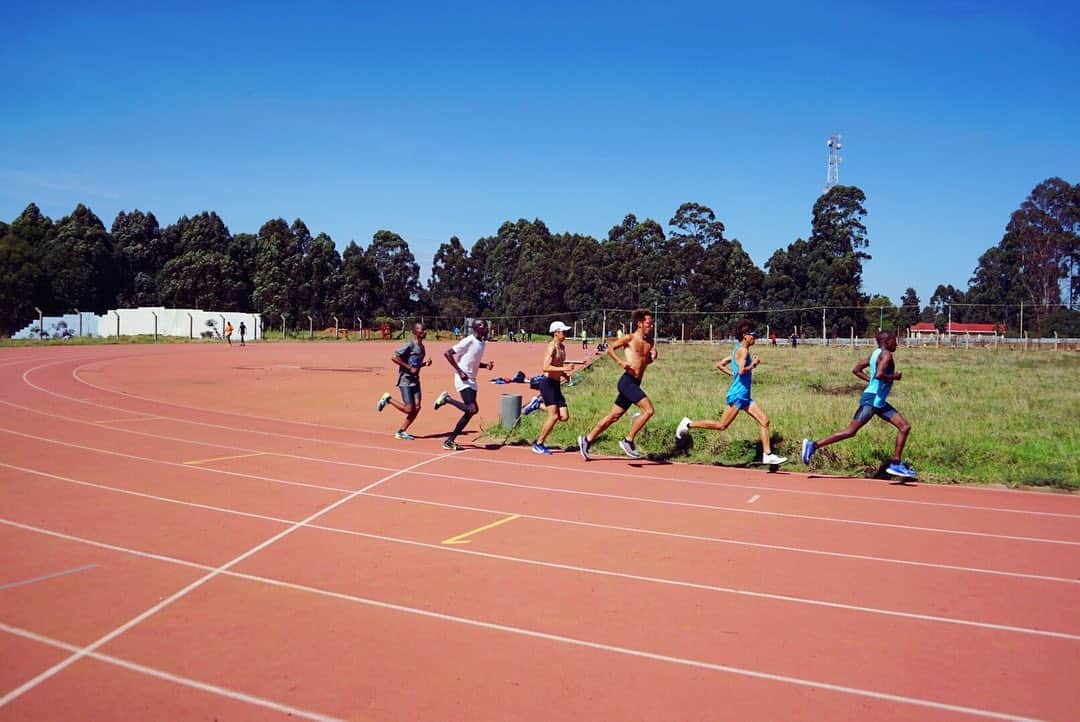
(832, 173)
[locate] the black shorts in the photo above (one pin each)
(468, 395)
(551, 392)
(629, 391)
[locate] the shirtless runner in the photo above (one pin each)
(640, 352)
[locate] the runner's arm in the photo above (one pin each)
(860, 369)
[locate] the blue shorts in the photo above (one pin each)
(742, 403)
(410, 395)
(629, 391)
(867, 410)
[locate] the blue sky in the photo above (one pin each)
(441, 119)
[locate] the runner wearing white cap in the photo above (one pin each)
(555, 368)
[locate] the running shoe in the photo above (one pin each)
(451, 445)
(583, 447)
(772, 459)
(404, 435)
(539, 448)
(441, 399)
(532, 405)
(629, 449)
(684, 428)
(808, 449)
(899, 468)
(383, 401)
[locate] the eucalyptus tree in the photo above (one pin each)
(399, 274)
(80, 264)
(452, 286)
(360, 293)
(278, 262)
(142, 251)
(23, 284)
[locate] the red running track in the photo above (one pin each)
(205, 532)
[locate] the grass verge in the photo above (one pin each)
(977, 415)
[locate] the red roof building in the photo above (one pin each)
(925, 328)
(976, 329)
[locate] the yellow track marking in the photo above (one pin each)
(460, 538)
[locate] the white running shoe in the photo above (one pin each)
(441, 399)
(684, 428)
(773, 459)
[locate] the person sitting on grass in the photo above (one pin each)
(738, 396)
(873, 403)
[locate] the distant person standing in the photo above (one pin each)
(794, 339)
(228, 332)
(409, 359)
(243, 330)
(584, 340)
(465, 357)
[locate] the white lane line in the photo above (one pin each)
(567, 567)
(637, 499)
(75, 375)
(615, 527)
(60, 666)
(574, 641)
(169, 677)
(79, 379)
(752, 499)
(43, 577)
(736, 542)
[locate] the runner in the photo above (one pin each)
(738, 396)
(467, 352)
(640, 352)
(873, 403)
(555, 368)
(410, 358)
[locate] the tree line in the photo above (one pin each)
(527, 275)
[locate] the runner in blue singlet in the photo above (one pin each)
(738, 396)
(873, 402)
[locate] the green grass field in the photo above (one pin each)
(977, 415)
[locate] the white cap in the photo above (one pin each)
(558, 326)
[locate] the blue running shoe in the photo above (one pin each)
(899, 468)
(583, 447)
(808, 449)
(383, 401)
(532, 406)
(403, 435)
(629, 449)
(539, 448)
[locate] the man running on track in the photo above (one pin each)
(410, 358)
(640, 352)
(555, 368)
(465, 356)
(873, 403)
(738, 396)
